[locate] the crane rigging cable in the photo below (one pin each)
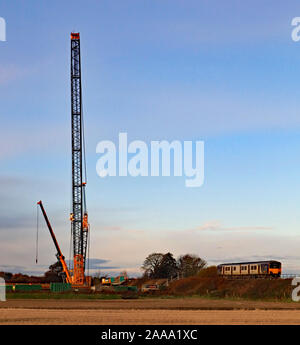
(37, 235)
(83, 145)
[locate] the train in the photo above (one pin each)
(250, 270)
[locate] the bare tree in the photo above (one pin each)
(151, 265)
(190, 265)
(98, 274)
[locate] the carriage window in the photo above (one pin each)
(234, 268)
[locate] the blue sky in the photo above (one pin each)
(226, 73)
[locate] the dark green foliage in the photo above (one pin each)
(158, 265)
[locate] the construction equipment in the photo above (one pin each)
(59, 254)
(119, 280)
(79, 215)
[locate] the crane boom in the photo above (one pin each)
(59, 254)
(78, 217)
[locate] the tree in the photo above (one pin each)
(151, 265)
(55, 273)
(190, 265)
(168, 266)
(98, 274)
(6, 275)
(158, 265)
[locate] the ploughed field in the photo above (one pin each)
(148, 311)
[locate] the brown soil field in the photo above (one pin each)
(148, 317)
(148, 311)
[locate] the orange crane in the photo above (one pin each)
(59, 254)
(79, 216)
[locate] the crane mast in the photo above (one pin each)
(78, 217)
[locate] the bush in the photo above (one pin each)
(209, 272)
(207, 283)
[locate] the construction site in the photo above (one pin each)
(66, 286)
(235, 245)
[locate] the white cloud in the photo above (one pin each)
(15, 141)
(10, 73)
(216, 225)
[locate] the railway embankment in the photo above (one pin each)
(215, 287)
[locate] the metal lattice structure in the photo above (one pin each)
(78, 216)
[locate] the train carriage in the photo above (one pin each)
(248, 270)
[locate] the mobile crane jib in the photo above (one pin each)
(59, 254)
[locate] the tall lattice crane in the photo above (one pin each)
(79, 215)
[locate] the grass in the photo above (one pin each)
(209, 297)
(59, 295)
(100, 296)
(55, 296)
(216, 288)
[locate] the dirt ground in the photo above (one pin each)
(148, 311)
